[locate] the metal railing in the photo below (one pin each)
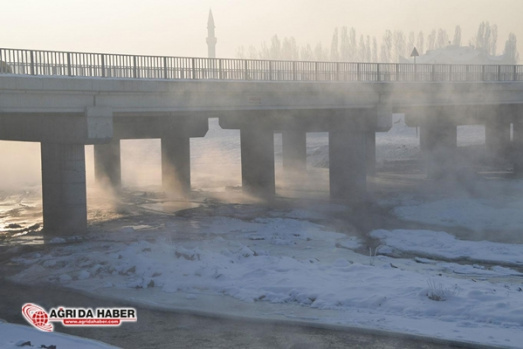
(55, 63)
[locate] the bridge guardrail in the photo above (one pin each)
(56, 63)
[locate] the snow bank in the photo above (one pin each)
(302, 265)
(478, 215)
(14, 336)
(438, 244)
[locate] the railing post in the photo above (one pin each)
(193, 61)
(220, 69)
(69, 67)
(358, 69)
(31, 56)
(499, 73)
(135, 72)
(165, 73)
(103, 65)
(294, 77)
(433, 73)
(515, 73)
(397, 72)
(482, 73)
(378, 72)
(337, 71)
(270, 70)
(316, 78)
(245, 71)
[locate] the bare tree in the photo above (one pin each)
(420, 43)
(306, 53)
(361, 49)
(511, 51)
(374, 49)
(345, 45)
(353, 46)
(289, 49)
(457, 36)
(320, 54)
(443, 38)
(480, 36)
(368, 50)
(494, 40)
(400, 45)
(386, 47)
(431, 40)
(334, 56)
(275, 50)
(412, 42)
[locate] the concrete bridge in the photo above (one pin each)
(66, 100)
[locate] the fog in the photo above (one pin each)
(178, 28)
(21, 167)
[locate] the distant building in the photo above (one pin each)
(211, 38)
(457, 55)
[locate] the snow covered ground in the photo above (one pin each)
(299, 264)
(18, 336)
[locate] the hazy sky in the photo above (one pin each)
(178, 28)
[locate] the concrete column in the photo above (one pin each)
(497, 137)
(294, 151)
(348, 160)
(63, 189)
(257, 156)
(517, 146)
(176, 164)
(438, 140)
(107, 164)
(371, 152)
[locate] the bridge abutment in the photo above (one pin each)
(63, 188)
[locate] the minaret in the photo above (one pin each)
(211, 39)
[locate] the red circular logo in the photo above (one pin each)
(40, 318)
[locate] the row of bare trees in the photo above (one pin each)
(349, 46)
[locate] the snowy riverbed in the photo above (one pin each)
(296, 264)
(318, 274)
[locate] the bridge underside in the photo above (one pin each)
(438, 134)
(351, 148)
(66, 114)
(63, 158)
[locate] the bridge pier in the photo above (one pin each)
(348, 159)
(517, 145)
(257, 157)
(438, 143)
(107, 164)
(176, 164)
(497, 136)
(63, 188)
(371, 152)
(294, 151)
